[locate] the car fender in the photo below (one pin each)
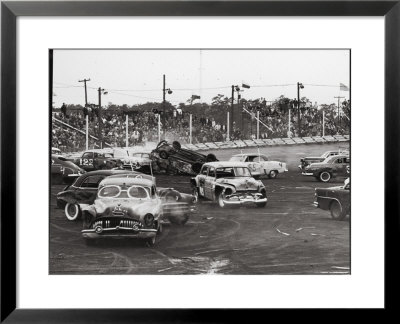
(66, 197)
(222, 188)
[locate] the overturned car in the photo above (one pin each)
(228, 184)
(175, 159)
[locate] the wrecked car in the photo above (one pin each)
(316, 159)
(124, 207)
(131, 205)
(332, 167)
(64, 171)
(100, 159)
(175, 159)
(177, 206)
(260, 165)
(334, 199)
(228, 184)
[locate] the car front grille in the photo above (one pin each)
(112, 222)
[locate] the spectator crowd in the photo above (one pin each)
(143, 126)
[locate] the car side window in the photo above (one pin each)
(92, 181)
(339, 161)
(259, 159)
(211, 172)
(204, 170)
(87, 155)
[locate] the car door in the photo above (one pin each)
(86, 161)
(253, 164)
(346, 167)
(339, 167)
(87, 191)
(264, 164)
(202, 180)
(208, 183)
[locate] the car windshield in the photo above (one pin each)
(325, 155)
(237, 158)
(114, 191)
(233, 172)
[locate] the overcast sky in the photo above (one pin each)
(136, 76)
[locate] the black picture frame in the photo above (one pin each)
(10, 10)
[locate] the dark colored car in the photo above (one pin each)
(335, 199)
(98, 160)
(332, 167)
(64, 171)
(175, 159)
(316, 159)
(83, 191)
(177, 206)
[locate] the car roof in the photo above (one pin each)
(127, 180)
(110, 172)
(247, 154)
(228, 164)
(339, 156)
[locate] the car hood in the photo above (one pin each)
(240, 183)
(132, 208)
(318, 165)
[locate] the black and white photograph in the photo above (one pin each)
(200, 161)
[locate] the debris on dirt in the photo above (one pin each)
(208, 218)
(314, 234)
(161, 270)
(203, 236)
(305, 241)
(279, 231)
(341, 268)
(301, 228)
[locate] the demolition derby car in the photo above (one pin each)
(229, 184)
(316, 159)
(139, 161)
(124, 207)
(176, 206)
(174, 159)
(334, 166)
(335, 199)
(260, 165)
(64, 171)
(98, 159)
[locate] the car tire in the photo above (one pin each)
(176, 145)
(163, 155)
(325, 176)
(151, 241)
(273, 174)
(220, 200)
(211, 158)
(72, 211)
(196, 195)
(196, 167)
(337, 212)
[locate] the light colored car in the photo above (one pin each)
(124, 207)
(260, 165)
(229, 184)
(137, 161)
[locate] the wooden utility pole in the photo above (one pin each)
(338, 110)
(232, 104)
(87, 115)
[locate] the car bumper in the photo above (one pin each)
(240, 201)
(315, 204)
(307, 173)
(118, 231)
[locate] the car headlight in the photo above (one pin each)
(148, 220)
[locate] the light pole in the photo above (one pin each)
(299, 86)
(101, 91)
(237, 89)
(164, 114)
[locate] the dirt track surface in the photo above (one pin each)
(288, 236)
